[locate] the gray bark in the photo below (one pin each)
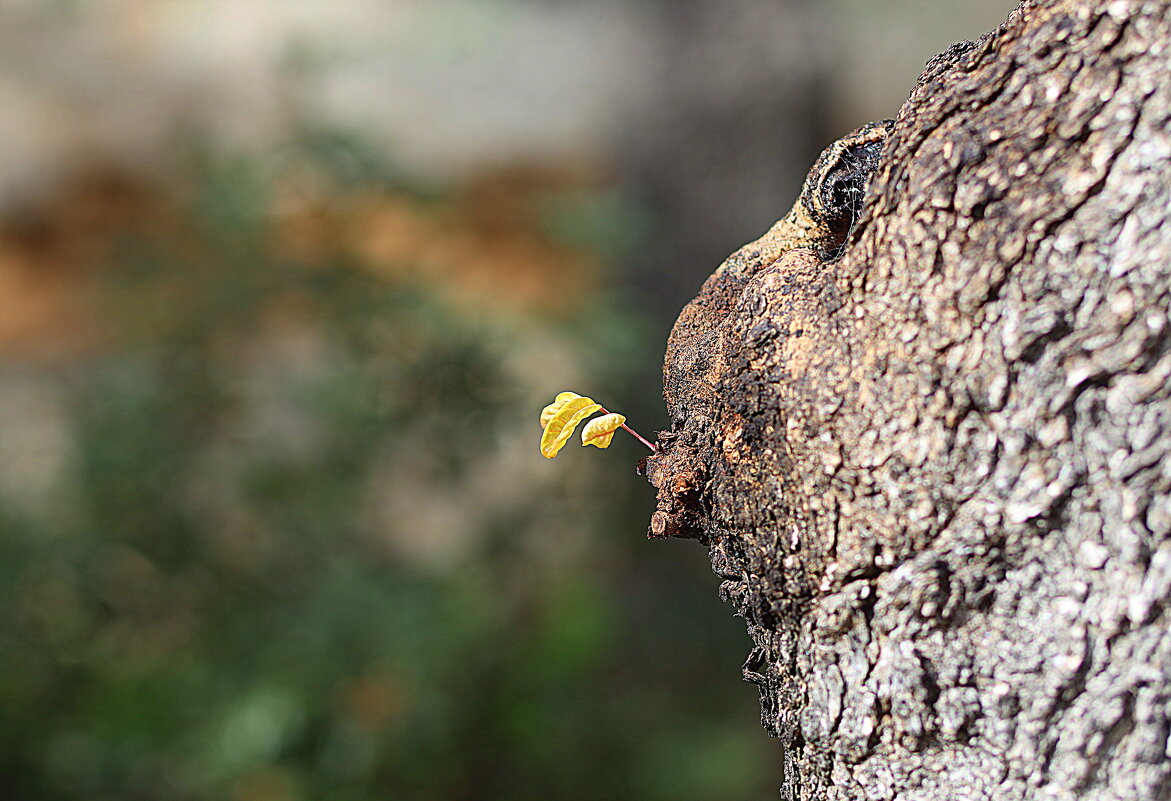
(933, 472)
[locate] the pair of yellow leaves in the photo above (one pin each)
(561, 417)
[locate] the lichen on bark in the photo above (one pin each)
(931, 465)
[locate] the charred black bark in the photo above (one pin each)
(933, 473)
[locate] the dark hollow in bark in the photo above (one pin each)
(929, 453)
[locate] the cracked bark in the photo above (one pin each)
(933, 473)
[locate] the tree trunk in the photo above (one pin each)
(928, 448)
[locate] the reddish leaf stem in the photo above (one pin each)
(633, 433)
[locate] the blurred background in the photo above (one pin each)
(283, 287)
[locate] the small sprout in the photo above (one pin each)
(561, 424)
(561, 417)
(556, 406)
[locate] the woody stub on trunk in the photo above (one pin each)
(923, 427)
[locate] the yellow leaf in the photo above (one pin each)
(560, 427)
(600, 430)
(554, 407)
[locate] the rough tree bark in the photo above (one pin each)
(928, 448)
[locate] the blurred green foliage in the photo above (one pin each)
(305, 548)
